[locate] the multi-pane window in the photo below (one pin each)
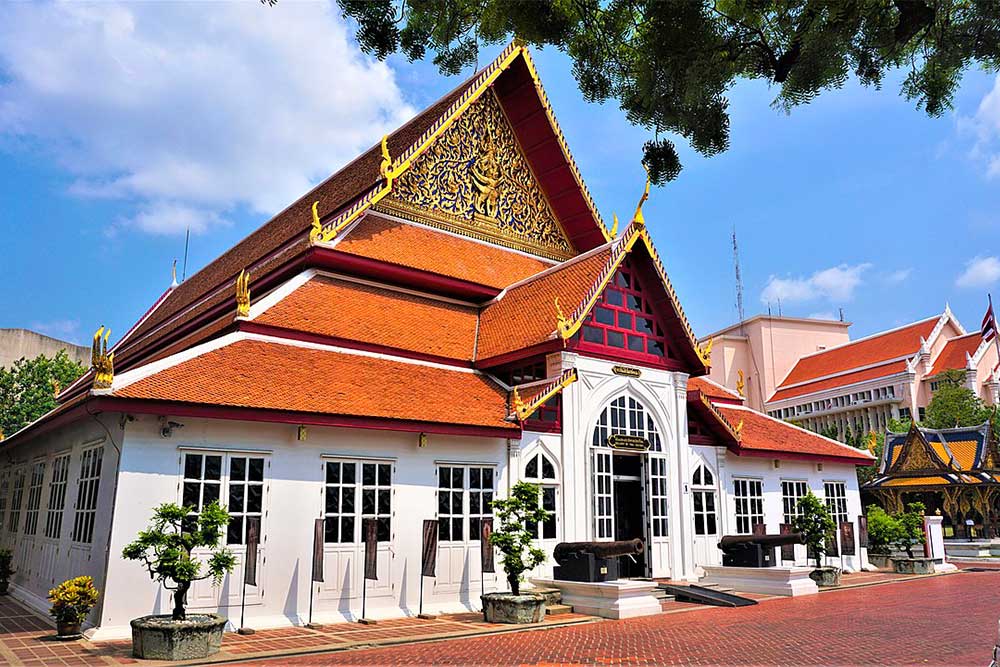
(703, 500)
(345, 482)
(748, 495)
(791, 492)
(88, 486)
(453, 517)
(246, 495)
(57, 497)
(658, 495)
(626, 416)
(836, 501)
(4, 492)
(34, 498)
(603, 499)
(16, 496)
(541, 471)
(202, 484)
(624, 319)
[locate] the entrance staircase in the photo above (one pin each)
(553, 601)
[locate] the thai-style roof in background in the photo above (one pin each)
(929, 457)
(953, 356)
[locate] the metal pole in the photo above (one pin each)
(243, 601)
(311, 585)
(421, 612)
(364, 598)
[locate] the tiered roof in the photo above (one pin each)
(956, 352)
(924, 457)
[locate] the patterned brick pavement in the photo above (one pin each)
(945, 620)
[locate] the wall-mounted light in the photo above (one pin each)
(819, 467)
(302, 433)
(777, 463)
(422, 440)
(168, 427)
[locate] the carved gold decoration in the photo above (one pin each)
(739, 429)
(705, 352)
(915, 457)
(243, 294)
(102, 362)
(519, 406)
(638, 217)
(740, 384)
(614, 227)
(872, 441)
(562, 322)
(474, 179)
(523, 409)
(385, 169)
(316, 232)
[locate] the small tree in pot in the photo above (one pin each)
(910, 533)
(72, 601)
(815, 524)
(513, 538)
(165, 549)
(6, 569)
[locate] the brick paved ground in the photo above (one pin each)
(948, 620)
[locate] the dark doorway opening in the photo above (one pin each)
(629, 523)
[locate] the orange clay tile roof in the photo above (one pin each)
(342, 309)
(273, 376)
(763, 433)
(840, 381)
(864, 352)
(526, 314)
(953, 354)
(418, 247)
(713, 390)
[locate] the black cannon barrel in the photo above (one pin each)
(730, 541)
(567, 550)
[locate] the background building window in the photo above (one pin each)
(57, 497)
(87, 489)
(791, 492)
(34, 498)
(748, 495)
(836, 501)
(540, 470)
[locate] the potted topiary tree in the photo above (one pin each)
(883, 533)
(519, 555)
(814, 523)
(6, 569)
(909, 535)
(165, 549)
(72, 601)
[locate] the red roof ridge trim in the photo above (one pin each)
(722, 419)
(523, 411)
(854, 451)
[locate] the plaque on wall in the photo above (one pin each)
(832, 548)
(627, 371)
(847, 538)
(863, 532)
(787, 550)
(759, 529)
(630, 442)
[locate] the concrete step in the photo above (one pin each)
(558, 609)
(553, 596)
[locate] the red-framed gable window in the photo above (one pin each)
(623, 322)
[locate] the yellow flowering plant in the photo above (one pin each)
(73, 599)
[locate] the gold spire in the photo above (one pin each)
(614, 227)
(638, 218)
(243, 294)
(740, 384)
(705, 352)
(317, 228)
(102, 362)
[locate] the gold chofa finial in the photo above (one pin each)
(872, 441)
(561, 322)
(243, 294)
(740, 384)
(386, 167)
(739, 429)
(614, 227)
(317, 228)
(102, 362)
(519, 406)
(638, 218)
(173, 274)
(705, 352)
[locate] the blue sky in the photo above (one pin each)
(137, 121)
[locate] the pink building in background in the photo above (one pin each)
(809, 370)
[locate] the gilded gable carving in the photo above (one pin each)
(916, 458)
(475, 180)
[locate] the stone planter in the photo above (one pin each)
(162, 638)
(510, 608)
(66, 630)
(826, 576)
(913, 565)
(881, 561)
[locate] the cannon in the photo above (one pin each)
(754, 550)
(592, 561)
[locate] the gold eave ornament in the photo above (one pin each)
(740, 384)
(243, 294)
(524, 410)
(101, 360)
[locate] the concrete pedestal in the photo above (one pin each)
(967, 549)
(791, 581)
(609, 599)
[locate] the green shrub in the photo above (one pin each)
(814, 523)
(883, 530)
(512, 537)
(911, 528)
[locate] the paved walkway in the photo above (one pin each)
(942, 620)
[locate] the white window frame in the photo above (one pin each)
(225, 483)
(790, 502)
(468, 516)
(88, 485)
(545, 484)
(4, 495)
(748, 507)
(58, 486)
(16, 500)
(659, 496)
(32, 510)
(704, 490)
(836, 502)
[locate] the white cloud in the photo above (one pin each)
(192, 110)
(834, 284)
(68, 330)
(898, 276)
(824, 315)
(984, 128)
(980, 272)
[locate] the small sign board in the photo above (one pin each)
(630, 442)
(863, 531)
(253, 540)
(627, 371)
(371, 549)
(428, 561)
(787, 550)
(847, 538)
(317, 555)
(486, 547)
(832, 548)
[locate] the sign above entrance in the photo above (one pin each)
(630, 442)
(627, 371)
